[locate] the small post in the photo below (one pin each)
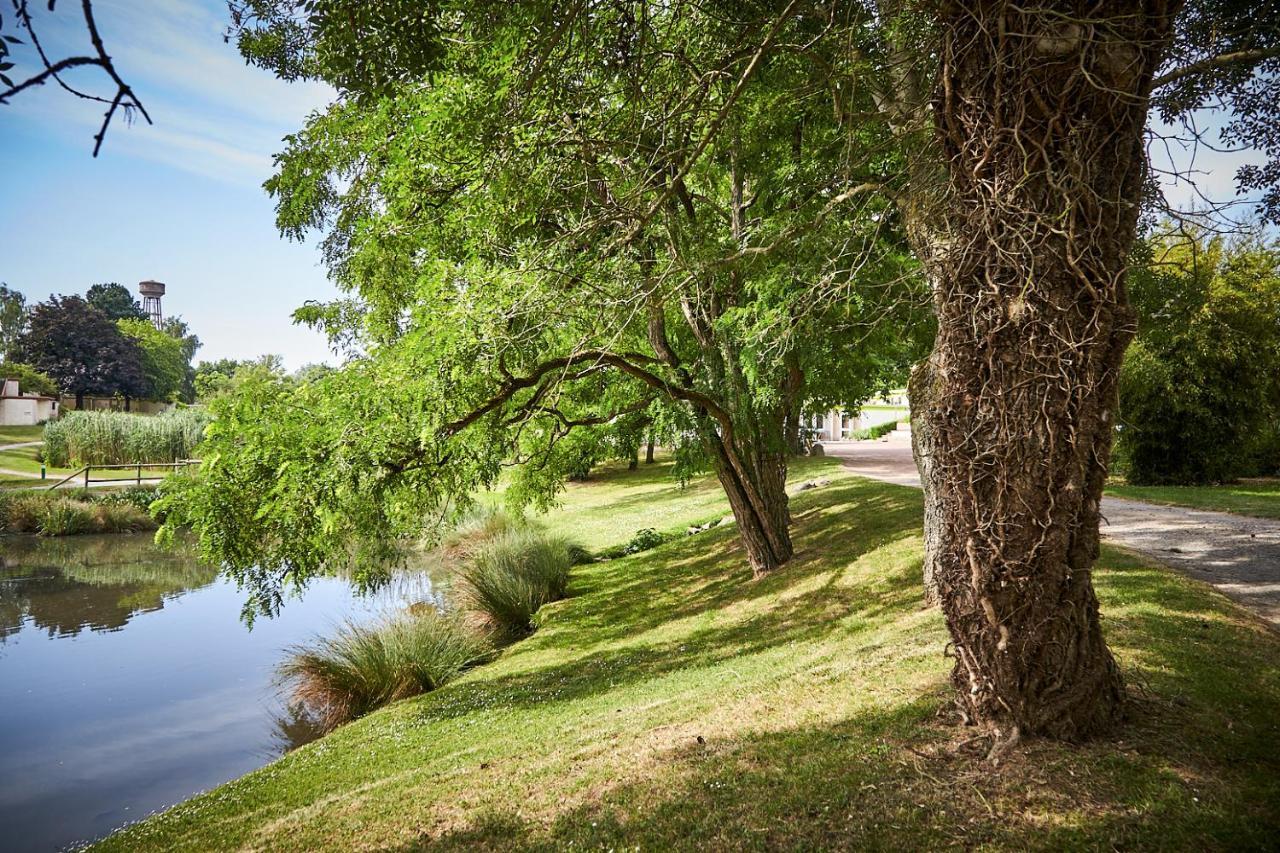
(42, 471)
(139, 473)
(86, 476)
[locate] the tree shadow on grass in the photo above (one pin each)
(883, 780)
(619, 604)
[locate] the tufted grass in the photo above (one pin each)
(673, 703)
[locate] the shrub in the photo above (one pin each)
(64, 517)
(877, 431)
(360, 669)
(121, 438)
(509, 579)
(120, 518)
(71, 513)
(644, 540)
(1200, 386)
(30, 380)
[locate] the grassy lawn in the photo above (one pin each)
(672, 702)
(1258, 497)
(18, 434)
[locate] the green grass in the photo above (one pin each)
(673, 703)
(1259, 498)
(19, 434)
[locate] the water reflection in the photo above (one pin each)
(98, 582)
(128, 681)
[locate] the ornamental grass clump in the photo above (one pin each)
(361, 668)
(512, 576)
(121, 438)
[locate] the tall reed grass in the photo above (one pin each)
(121, 438)
(362, 668)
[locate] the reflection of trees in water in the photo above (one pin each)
(292, 728)
(98, 582)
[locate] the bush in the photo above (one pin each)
(644, 540)
(360, 669)
(1200, 387)
(512, 576)
(121, 438)
(64, 517)
(71, 513)
(877, 431)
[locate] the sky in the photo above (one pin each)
(182, 201)
(179, 202)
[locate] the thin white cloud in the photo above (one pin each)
(214, 115)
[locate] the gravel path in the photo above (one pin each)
(1237, 554)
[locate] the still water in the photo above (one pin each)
(129, 683)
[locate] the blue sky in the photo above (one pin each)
(180, 201)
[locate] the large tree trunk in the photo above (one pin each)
(1040, 114)
(648, 450)
(758, 496)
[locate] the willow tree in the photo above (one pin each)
(547, 220)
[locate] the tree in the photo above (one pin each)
(1025, 197)
(222, 377)
(115, 301)
(527, 290)
(177, 328)
(13, 319)
(30, 380)
(1200, 386)
(81, 349)
(164, 360)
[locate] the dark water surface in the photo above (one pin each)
(129, 683)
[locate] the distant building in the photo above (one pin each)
(19, 409)
(837, 425)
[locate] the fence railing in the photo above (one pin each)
(85, 475)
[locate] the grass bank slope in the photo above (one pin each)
(672, 703)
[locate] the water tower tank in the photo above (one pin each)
(151, 292)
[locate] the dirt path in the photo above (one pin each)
(21, 445)
(1239, 555)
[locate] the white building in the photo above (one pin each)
(19, 409)
(837, 425)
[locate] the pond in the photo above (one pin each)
(128, 682)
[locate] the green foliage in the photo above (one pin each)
(13, 320)
(1200, 386)
(512, 576)
(219, 378)
(164, 358)
(361, 668)
(643, 541)
(30, 380)
(120, 438)
(81, 349)
(70, 514)
(877, 431)
(532, 277)
(115, 301)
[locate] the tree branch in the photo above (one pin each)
(1213, 63)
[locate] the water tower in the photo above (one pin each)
(151, 292)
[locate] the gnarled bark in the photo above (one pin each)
(755, 484)
(1040, 111)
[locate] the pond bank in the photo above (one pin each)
(130, 683)
(673, 703)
